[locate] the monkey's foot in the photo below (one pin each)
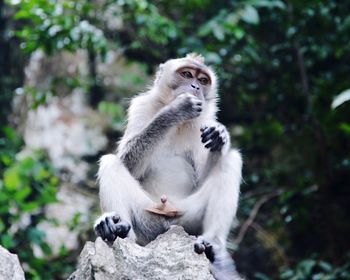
(109, 226)
(204, 246)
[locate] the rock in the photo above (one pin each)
(170, 256)
(68, 129)
(10, 268)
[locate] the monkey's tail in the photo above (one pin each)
(223, 267)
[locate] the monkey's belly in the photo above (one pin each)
(171, 176)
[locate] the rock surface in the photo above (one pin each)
(10, 268)
(170, 256)
(68, 130)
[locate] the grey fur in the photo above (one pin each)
(189, 158)
(147, 228)
(185, 107)
(142, 145)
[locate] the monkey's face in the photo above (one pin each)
(192, 79)
(186, 75)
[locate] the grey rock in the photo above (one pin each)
(170, 256)
(10, 269)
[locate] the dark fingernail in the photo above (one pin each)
(213, 135)
(209, 145)
(208, 130)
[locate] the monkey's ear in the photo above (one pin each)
(159, 72)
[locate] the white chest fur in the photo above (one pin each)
(174, 166)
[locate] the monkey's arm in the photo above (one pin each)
(136, 150)
(139, 147)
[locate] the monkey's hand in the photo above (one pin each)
(109, 226)
(216, 138)
(186, 106)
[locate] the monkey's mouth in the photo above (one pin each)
(197, 94)
(201, 97)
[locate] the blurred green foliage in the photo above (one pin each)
(28, 183)
(57, 25)
(281, 65)
(317, 270)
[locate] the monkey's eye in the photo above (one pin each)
(186, 74)
(204, 81)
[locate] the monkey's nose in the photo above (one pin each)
(195, 87)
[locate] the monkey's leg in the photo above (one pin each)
(121, 198)
(216, 202)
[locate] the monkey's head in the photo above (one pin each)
(186, 75)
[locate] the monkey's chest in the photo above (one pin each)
(172, 174)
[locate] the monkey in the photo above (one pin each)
(174, 148)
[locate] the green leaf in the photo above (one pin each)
(42, 174)
(268, 4)
(22, 194)
(307, 266)
(205, 29)
(22, 14)
(46, 248)
(12, 179)
(27, 165)
(341, 98)
(7, 241)
(219, 32)
(10, 133)
(325, 266)
(30, 206)
(2, 226)
(286, 274)
(75, 221)
(345, 127)
(36, 236)
(6, 159)
(250, 15)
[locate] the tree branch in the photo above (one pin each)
(253, 215)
